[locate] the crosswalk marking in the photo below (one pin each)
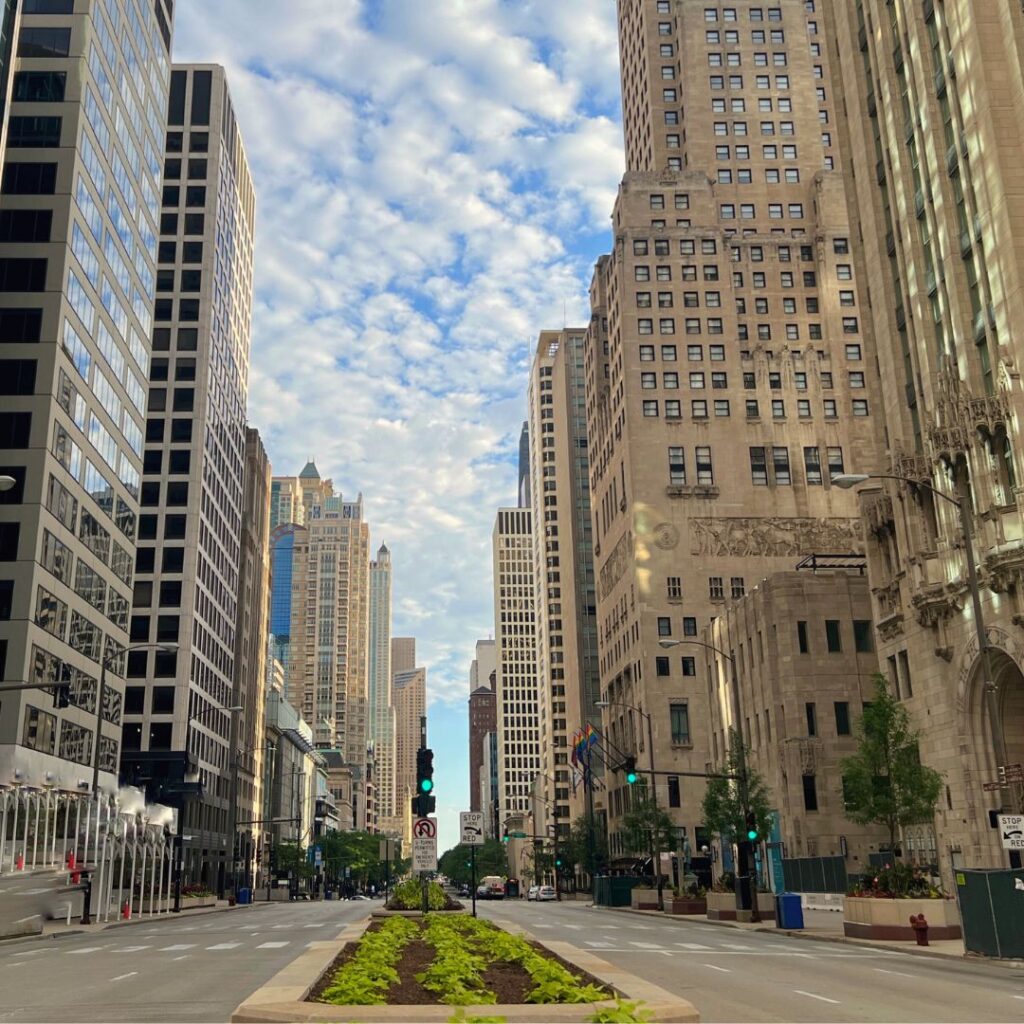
(724, 970)
(130, 949)
(30, 952)
(225, 945)
(86, 949)
(646, 945)
(272, 945)
(811, 995)
(177, 947)
(600, 945)
(692, 945)
(121, 977)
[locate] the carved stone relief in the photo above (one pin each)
(614, 568)
(774, 536)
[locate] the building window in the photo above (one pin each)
(780, 466)
(716, 588)
(812, 464)
(833, 636)
(705, 469)
(812, 718)
(842, 710)
(680, 719)
(801, 636)
(664, 625)
(673, 791)
(758, 466)
(689, 626)
(863, 640)
(908, 689)
(675, 588)
(810, 793)
(689, 666)
(661, 666)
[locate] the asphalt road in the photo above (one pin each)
(734, 975)
(194, 968)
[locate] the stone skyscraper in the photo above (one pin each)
(933, 93)
(193, 490)
(482, 714)
(78, 249)
(381, 711)
(409, 694)
(567, 668)
(730, 366)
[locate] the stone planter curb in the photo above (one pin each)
(282, 999)
(866, 917)
(381, 914)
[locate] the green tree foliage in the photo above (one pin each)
(360, 853)
(491, 859)
(292, 859)
(645, 824)
(587, 845)
(884, 783)
(723, 804)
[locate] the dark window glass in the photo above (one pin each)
(188, 339)
(185, 369)
(131, 733)
(163, 700)
(179, 461)
(152, 463)
(195, 223)
(29, 179)
(6, 600)
(154, 431)
(812, 718)
(172, 169)
(142, 595)
(174, 528)
(195, 195)
(199, 142)
(863, 640)
(9, 533)
(167, 628)
(184, 399)
(22, 275)
(16, 495)
(15, 429)
(662, 666)
(137, 664)
(27, 132)
(801, 636)
(175, 140)
(165, 664)
(160, 735)
(673, 791)
(158, 369)
(35, 41)
(842, 709)
(40, 86)
(172, 195)
(177, 493)
(176, 103)
(150, 493)
(188, 309)
(161, 339)
(664, 625)
(163, 310)
(168, 223)
(48, 6)
(167, 252)
(202, 82)
(20, 325)
(191, 280)
(833, 637)
(197, 169)
(170, 594)
(181, 431)
(17, 376)
(810, 793)
(191, 252)
(140, 629)
(157, 399)
(147, 527)
(144, 559)
(174, 560)
(165, 280)
(25, 225)
(135, 699)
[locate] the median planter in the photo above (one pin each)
(722, 907)
(642, 898)
(453, 967)
(686, 905)
(871, 917)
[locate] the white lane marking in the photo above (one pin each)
(646, 945)
(271, 945)
(30, 952)
(87, 949)
(634, 927)
(902, 974)
(574, 927)
(692, 945)
(18, 963)
(542, 925)
(177, 947)
(611, 927)
(599, 945)
(733, 945)
(22, 920)
(225, 945)
(121, 977)
(130, 949)
(724, 970)
(185, 957)
(811, 995)
(313, 925)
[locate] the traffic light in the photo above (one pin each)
(630, 768)
(558, 859)
(752, 830)
(504, 835)
(424, 770)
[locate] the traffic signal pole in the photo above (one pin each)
(472, 876)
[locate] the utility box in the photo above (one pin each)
(992, 911)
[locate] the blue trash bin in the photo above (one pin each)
(244, 897)
(788, 911)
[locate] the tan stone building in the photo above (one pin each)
(729, 362)
(409, 694)
(565, 605)
(933, 92)
(381, 712)
(804, 652)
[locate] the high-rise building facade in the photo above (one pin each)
(78, 247)
(730, 367)
(523, 489)
(565, 604)
(933, 92)
(410, 697)
(518, 701)
(382, 712)
(291, 496)
(10, 16)
(187, 585)
(251, 640)
(403, 654)
(482, 721)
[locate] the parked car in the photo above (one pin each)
(532, 893)
(545, 893)
(482, 892)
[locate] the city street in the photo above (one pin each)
(733, 975)
(194, 968)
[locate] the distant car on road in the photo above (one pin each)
(532, 893)
(547, 892)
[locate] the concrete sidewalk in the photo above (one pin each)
(827, 926)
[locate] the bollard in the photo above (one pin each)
(126, 911)
(920, 926)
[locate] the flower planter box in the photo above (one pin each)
(722, 907)
(686, 905)
(643, 899)
(865, 917)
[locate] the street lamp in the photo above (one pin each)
(7, 482)
(848, 480)
(744, 890)
(179, 838)
(655, 832)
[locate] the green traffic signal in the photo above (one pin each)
(426, 785)
(631, 773)
(752, 834)
(631, 777)
(752, 829)
(504, 838)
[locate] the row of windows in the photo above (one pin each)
(720, 379)
(760, 456)
(673, 409)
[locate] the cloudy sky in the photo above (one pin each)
(434, 182)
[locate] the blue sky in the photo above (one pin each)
(434, 181)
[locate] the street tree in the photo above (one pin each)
(491, 859)
(724, 807)
(645, 826)
(884, 782)
(587, 845)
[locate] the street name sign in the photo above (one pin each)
(471, 827)
(1011, 828)
(424, 844)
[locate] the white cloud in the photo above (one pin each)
(430, 177)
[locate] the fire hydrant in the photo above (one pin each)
(126, 912)
(920, 926)
(76, 876)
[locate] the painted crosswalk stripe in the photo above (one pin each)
(731, 945)
(87, 949)
(724, 970)
(600, 945)
(30, 952)
(271, 945)
(646, 945)
(177, 947)
(811, 995)
(693, 945)
(121, 977)
(902, 974)
(130, 949)
(225, 945)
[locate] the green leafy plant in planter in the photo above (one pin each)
(456, 973)
(726, 882)
(623, 1012)
(897, 881)
(366, 978)
(408, 895)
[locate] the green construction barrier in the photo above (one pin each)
(992, 911)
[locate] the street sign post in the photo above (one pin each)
(471, 828)
(1011, 829)
(424, 844)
